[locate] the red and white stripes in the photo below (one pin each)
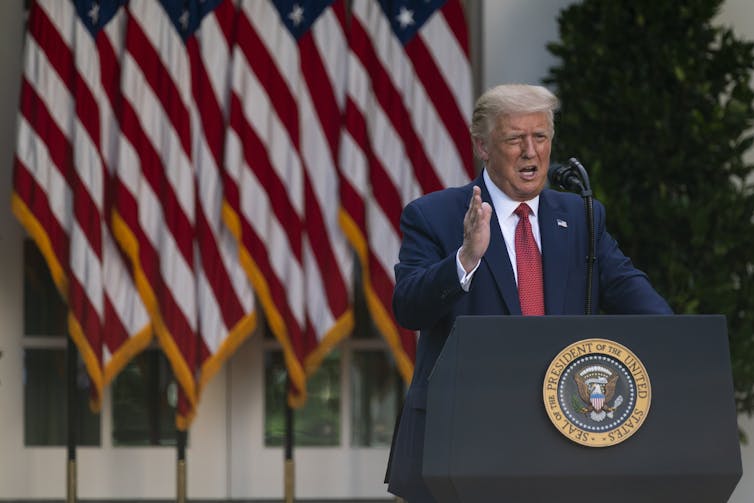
(287, 93)
(228, 149)
(169, 200)
(406, 134)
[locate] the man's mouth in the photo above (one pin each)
(528, 172)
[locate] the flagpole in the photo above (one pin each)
(288, 464)
(181, 467)
(71, 371)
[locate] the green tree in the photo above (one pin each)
(657, 104)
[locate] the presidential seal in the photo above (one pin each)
(597, 392)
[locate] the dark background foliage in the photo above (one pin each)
(657, 105)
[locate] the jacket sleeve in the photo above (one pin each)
(427, 282)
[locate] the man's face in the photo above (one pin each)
(517, 154)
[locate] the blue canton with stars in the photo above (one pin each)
(187, 15)
(299, 15)
(95, 14)
(408, 16)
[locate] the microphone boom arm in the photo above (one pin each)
(586, 193)
(573, 177)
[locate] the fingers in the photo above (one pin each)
(475, 205)
(476, 197)
(486, 213)
(476, 230)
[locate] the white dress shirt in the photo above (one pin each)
(505, 208)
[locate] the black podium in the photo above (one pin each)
(489, 438)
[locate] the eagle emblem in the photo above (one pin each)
(596, 385)
(596, 392)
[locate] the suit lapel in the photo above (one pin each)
(556, 249)
(497, 258)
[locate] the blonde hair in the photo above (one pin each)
(511, 99)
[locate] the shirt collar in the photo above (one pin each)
(503, 204)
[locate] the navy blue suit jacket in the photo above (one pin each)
(428, 296)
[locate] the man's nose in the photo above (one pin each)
(528, 150)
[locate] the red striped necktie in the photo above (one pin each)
(528, 266)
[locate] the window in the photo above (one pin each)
(144, 401)
(376, 394)
(376, 391)
(318, 422)
(45, 405)
(144, 394)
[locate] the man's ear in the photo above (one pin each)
(481, 149)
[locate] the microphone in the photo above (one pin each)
(565, 177)
(574, 163)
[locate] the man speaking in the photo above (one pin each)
(501, 245)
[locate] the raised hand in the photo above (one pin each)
(476, 231)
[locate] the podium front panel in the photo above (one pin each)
(489, 437)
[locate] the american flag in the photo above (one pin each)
(282, 183)
(169, 190)
(407, 112)
(98, 44)
(225, 295)
(63, 173)
(231, 148)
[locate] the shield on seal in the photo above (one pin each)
(597, 398)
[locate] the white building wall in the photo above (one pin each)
(15, 464)
(515, 34)
(226, 458)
